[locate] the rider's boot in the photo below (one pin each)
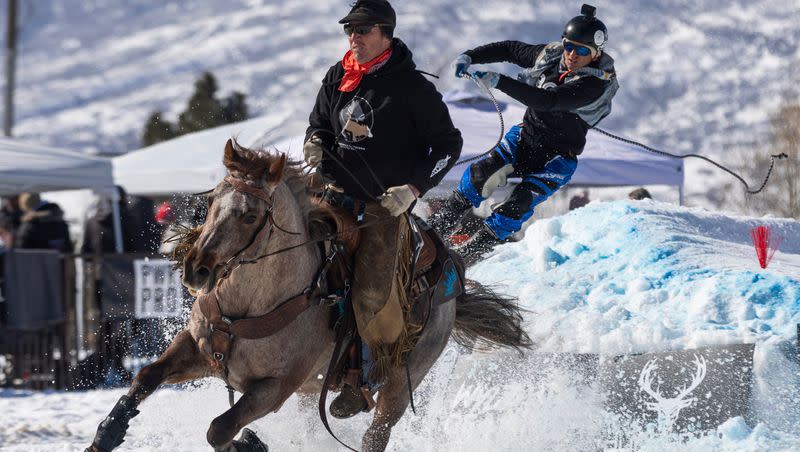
(348, 403)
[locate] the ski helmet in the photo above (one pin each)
(587, 29)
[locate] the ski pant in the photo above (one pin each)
(542, 174)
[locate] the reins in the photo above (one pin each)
(773, 157)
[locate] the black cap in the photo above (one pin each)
(371, 12)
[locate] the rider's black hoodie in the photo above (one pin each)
(393, 129)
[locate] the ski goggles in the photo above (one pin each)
(349, 29)
(581, 50)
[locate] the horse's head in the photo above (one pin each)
(238, 216)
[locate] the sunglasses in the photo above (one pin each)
(580, 50)
(349, 29)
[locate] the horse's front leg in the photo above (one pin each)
(260, 398)
(182, 361)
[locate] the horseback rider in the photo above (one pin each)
(381, 137)
(567, 86)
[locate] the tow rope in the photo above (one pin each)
(488, 91)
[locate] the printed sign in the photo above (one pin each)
(684, 391)
(158, 289)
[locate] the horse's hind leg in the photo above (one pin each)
(182, 361)
(260, 398)
(393, 398)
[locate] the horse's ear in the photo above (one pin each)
(275, 171)
(230, 154)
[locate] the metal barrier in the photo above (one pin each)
(70, 321)
(35, 359)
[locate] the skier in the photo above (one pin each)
(567, 86)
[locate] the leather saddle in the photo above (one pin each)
(438, 271)
(438, 278)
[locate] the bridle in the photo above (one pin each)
(223, 330)
(261, 235)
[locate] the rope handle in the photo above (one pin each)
(471, 76)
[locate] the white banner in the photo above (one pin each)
(158, 289)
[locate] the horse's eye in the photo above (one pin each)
(250, 219)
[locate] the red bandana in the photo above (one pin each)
(353, 71)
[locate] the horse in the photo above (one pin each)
(266, 207)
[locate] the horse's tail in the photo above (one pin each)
(487, 320)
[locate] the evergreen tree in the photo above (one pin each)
(203, 111)
(157, 129)
(234, 108)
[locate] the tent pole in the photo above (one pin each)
(117, 223)
(11, 58)
(680, 195)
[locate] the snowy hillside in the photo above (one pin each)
(699, 76)
(608, 278)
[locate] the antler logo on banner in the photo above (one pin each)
(669, 408)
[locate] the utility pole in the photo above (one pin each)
(11, 62)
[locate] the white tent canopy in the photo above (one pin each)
(193, 163)
(32, 168)
(26, 167)
(188, 164)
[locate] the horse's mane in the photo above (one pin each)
(251, 164)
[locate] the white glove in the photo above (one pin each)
(313, 151)
(489, 79)
(398, 199)
(461, 64)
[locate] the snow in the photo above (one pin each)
(697, 76)
(610, 278)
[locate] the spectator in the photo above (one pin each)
(43, 225)
(12, 212)
(6, 232)
(578, 201)
(165, 214)
(166, 219)
(639, 194)
(135, 219)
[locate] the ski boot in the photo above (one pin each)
(470, 225)
(448, 217)
(480, 243)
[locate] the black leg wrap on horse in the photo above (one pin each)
(111, 432)
(249, 442)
